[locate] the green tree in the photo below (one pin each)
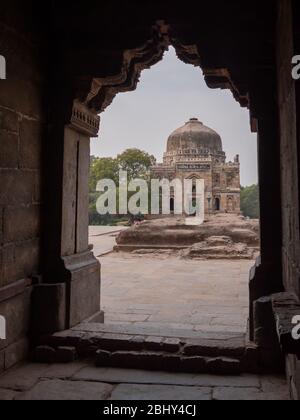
(250, 201)
(136, 162)
(103, 168)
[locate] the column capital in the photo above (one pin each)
(84, 119)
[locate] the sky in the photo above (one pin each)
(168, 95)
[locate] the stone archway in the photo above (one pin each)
(172, 205)
(78, 120)
(217, 204)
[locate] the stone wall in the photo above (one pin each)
(289, 169)
(21, 133)
(289, 147)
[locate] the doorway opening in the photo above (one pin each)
(158, 271)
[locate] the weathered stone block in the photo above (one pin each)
(251, 359)
(265, 335)
(20, 260)
(9, 144)
(196, 364)
(44, 354)
(153, 343)
(214, 348)
(103, 358)
(23, 377)
(171, 345)
(16, 187)
(30, 144)
(7, 269)
(137, 342)
(223, 366)
(66, 354)
(9, 120)
(21, 223)
(28, 94)
(171, 362)
(85, 274)
(17, 314)
(285, 307)
(62, 339)
(49, 308)
(37, 194)
(2, 361)
(87, 347)
(135, 360)
(138, 392)
(16, 352)
(53, 390)
(114, 342)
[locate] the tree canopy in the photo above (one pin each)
(250, 201)
(136, 162)
(103, 168)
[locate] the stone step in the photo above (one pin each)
(159, 361)
(157, 330)
(221, 355)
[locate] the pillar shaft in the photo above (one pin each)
(266, 275)
(70, 289)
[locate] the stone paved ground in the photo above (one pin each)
(103, 238)
(155, 291)
(158, 291)
(81, 381)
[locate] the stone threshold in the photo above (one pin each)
(132, 347)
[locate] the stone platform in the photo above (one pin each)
(221, 236)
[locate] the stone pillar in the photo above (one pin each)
(266, 275)
(70, 288)
(296, 38)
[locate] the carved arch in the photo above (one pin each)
(96, 94)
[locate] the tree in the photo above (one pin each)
(250, 201)
(136, 162)
(103, 168)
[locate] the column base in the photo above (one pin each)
(265, 279)
(58, 307)
(83, 287)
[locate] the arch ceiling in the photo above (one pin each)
(231, 41)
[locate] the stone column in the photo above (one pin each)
(70, 289)
(296, 39)
(266, 275)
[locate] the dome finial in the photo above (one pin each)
(194, 120)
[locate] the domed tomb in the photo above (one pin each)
(194, 135)
(195, 151)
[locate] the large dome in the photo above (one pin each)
(194, 135)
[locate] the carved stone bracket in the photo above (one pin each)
(85, 120)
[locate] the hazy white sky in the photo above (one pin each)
(168, 95)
